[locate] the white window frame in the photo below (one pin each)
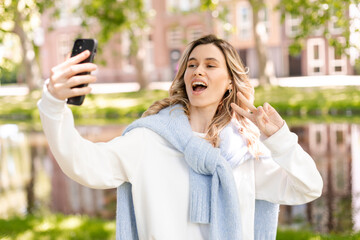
(291, 22)
(127, 66)
(175, 37)
(332, 26)
(264, 18)
(149, 56)
(333, 63)
(181, 5)
(67, 17)
(244, 26)
(194, 32)
(313, 63)
(64, 46)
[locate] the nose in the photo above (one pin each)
(198, 71)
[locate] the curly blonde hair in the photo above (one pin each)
(224, 113)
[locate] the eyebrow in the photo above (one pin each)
(208, 59)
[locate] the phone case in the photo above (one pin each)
(81, 45)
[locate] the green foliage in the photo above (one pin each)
(296, 105)
(8, 71)
(317, 16)
(302, 102)
(17, 21)
(115, 17)
(208, 5)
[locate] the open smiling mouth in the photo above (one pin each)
(198, 86)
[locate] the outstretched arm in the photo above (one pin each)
(96, 165)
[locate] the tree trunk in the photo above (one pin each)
(138, 53)
(139, 66)
(30, 188)
(31, 69)
(266, 68)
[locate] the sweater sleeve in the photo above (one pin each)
(95, 165)
(290, 176)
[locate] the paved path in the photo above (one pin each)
(306, 81)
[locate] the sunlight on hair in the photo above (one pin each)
(247, 70)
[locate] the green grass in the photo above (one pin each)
(339, 101)
(58, 226)
(296, 105)
(306, 235)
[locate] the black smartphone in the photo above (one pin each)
(81, 45)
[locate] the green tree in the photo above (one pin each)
(320, 16)
(21, 18)
(115, 17)
(266, 69)
(313, 14)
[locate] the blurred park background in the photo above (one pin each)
(303, 57)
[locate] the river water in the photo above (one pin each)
(30, 179)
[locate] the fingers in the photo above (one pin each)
(261, 115)
(241, 111)
(81, 79)
(72, 61)
(243, 99)
(65, 89)
(259, 118)
(79, 91)
(73, 70)
(274, 115)
(267, 106)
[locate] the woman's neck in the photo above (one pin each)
(200, 118)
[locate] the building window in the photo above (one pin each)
(126, 63)
(244, 20)
(64, 46)
(175, 37)
(67, 15)
(337, 61)
(316, 56)
(334, 27)
(194, 33)
(264, 19)
(225, 27)
(149, 56)
(292, 25)
(173, 6)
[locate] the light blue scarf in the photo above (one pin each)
(213, 194)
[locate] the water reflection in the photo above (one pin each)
(40, 182)
(14, 171)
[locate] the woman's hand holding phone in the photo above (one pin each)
(64, 78)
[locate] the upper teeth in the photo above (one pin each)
(198, 83)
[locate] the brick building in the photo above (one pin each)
(175, 23)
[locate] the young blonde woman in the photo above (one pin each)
(204, 163)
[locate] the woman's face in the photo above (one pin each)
(206, 76)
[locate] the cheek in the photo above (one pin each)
(187, 78)
(186, 75)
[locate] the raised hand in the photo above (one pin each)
(63, 77)
(266, 118)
